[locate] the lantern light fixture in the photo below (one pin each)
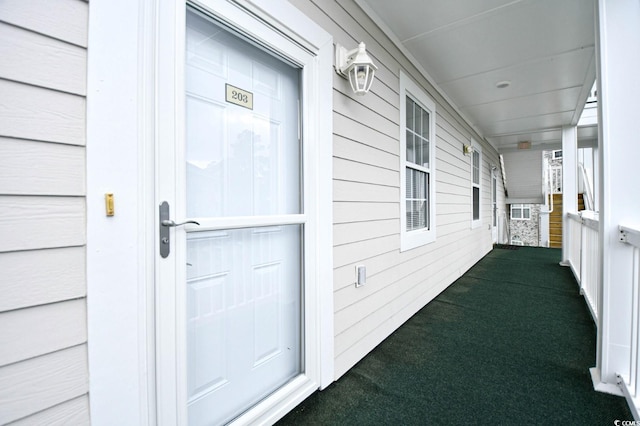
(356, 66)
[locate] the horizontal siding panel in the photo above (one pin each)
(38, 277)
(458, 217)
(41, 222)
(74, 412)
(360, 231)
(66, 20)
(376, 103)
(40, 114)
(43, 382)
(390, 303)
(364, 115)
(386, 280)
(356, 191)
(42, 61)
(388, 260)
(414, 301)
(462, 189)
(345, 212)
(362, 302)
(351, 150)
(43, 329)
(347, 128)
(448, 130)
(353, 252)
(353, 171)
(38, 168)
(411, 303)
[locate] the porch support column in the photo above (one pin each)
(618, 62)
(569, 184)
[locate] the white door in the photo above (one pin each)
(236, 281)
(494, 206)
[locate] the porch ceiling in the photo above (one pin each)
(544, 48)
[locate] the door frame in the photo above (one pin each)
(494, 205)
(122, 159)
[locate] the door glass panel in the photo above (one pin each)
(243, 318)
(242, 160)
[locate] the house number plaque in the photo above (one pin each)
(238, 96)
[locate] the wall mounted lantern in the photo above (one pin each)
(467, 149)
(356, 66)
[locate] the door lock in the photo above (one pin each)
(165, 224)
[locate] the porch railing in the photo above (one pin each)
(631, 385)
(584, 256)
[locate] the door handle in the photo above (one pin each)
(165, 224)
(171, 224)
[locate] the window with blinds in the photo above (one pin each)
(417, 166)
(417, 169)
(476, 163)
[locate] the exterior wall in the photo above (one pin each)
(43, 361)
(367, 191)
(527, 231)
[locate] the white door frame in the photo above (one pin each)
(494, 205)
(121, 158)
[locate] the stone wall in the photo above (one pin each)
(527, 231)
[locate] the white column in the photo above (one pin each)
(618, 57)
(569, 183)
(596, 178)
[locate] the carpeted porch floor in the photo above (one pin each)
(510, 342)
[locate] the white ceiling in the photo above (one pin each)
(544, 48)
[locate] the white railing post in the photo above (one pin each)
(617, 62)
(569, 182)
(630, 382)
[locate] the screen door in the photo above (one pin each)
(242, 182)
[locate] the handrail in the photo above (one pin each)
(575, 216)
(590, 219)
(588, 190)
(629, 235)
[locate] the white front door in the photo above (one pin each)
(233, 287)
(494, 206)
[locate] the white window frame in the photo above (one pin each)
(516, 241)
(522, 208)
(475, 223)
(418, 237)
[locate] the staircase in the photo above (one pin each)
(555, 220)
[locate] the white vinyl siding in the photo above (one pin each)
(476, 185)
(367, 193)
(43, 327)
(417, 165)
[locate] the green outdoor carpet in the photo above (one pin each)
(509, 343)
